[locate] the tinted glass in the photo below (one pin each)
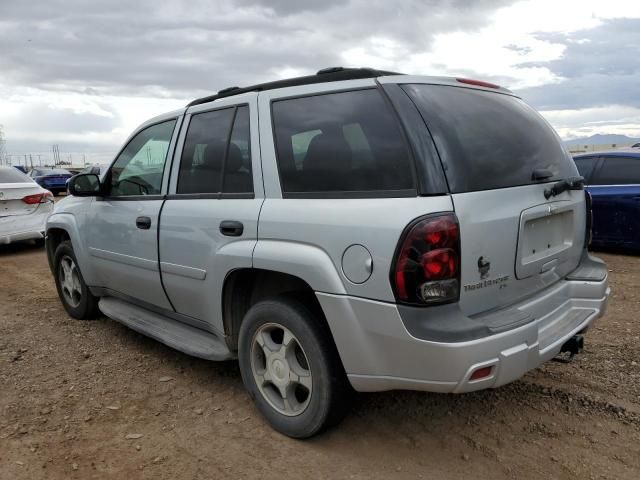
(585, 166)
(489, 140)
(139, 167)
(13, 175)
(237, 169)
(340, 142)
(203, 152)
(618, 171)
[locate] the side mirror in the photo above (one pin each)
(85, 185)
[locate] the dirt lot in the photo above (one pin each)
(72, 392)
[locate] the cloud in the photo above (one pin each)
(598, 67)
(97, 69)
(126, 48)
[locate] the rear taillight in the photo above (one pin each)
(426, 268)
(589, 224)
(38, 198)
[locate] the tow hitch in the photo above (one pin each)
(570, 348)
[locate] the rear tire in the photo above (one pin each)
(285, 347)
(74, 294)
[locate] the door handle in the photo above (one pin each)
(231, 228)
(143, 223)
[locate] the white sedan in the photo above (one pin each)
(24, 207)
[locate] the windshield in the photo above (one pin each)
(489, 140)
(13, 175)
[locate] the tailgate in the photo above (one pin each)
(499, 156)
(515, 243)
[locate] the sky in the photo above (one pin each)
(84, 74)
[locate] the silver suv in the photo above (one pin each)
(350, 230)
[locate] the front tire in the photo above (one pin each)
(291, 368)
(72, 290)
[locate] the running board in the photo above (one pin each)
(190, 340)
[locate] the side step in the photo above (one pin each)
(173, 333)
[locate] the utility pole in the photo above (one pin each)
(56, 154)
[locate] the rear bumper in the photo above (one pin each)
(380, 353)
(25, 227)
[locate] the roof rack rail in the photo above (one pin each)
(331, 74)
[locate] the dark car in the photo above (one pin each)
(613, 179)
(53, 179)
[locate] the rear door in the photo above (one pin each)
(122, 226)
(209, 223)
(615, 189)
(499, 157)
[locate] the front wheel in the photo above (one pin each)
(72, 290)
(291, 368)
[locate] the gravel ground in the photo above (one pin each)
(96, 400)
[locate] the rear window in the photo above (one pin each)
(489, 140)
(13, 175)
(51, 171)
(341, 143)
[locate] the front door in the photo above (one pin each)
(123, 225)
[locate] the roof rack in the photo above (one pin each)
(331, 74)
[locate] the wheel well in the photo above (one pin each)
(55, 236)
(245, 287)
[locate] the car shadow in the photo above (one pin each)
(26, 246)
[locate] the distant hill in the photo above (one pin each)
(600, 139)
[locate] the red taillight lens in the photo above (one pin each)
(440, 263)
(427, 264)
(480, 373)
(38, 198)
(477, 83)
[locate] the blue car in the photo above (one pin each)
(613, 179)
(53, 179)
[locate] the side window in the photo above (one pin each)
(340, 142)
(585, 166)
(214, 153)
(618, 171)
(237, 170)
(139, 168)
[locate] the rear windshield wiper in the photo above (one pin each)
(573, 183)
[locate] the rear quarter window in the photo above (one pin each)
(341, 143)
(489, 140)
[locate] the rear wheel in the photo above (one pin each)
(291, 369)
(72, 290)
